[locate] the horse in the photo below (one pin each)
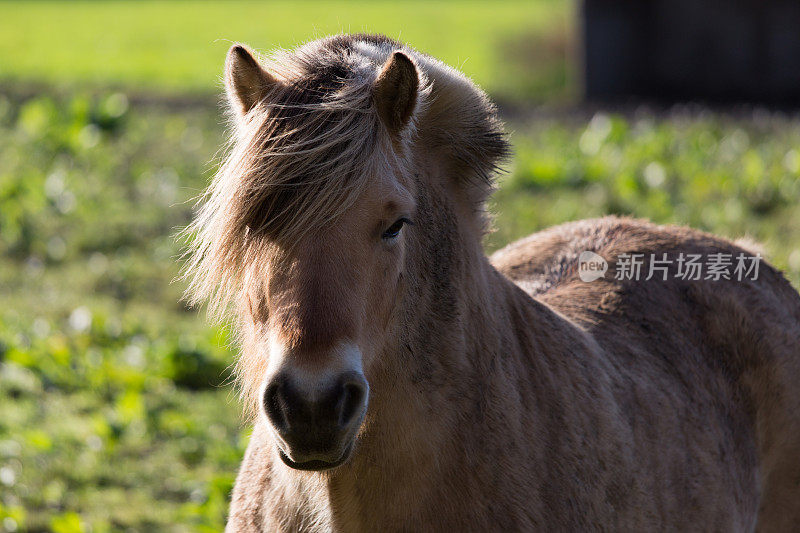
(398, 379)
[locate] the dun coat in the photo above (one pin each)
(400, 380)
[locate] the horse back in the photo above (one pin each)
(713, 362)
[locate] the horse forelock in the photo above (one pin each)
(298, 160)
(302, 155)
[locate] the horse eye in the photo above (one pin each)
(394, 230)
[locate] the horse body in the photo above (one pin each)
(503, 394)
(584, 406)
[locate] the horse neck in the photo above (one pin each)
(451, 372)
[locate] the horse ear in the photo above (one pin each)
(395, 92)
(246, 81)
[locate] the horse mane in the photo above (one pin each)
(301, 156)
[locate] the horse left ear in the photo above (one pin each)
(395, 92)
(246, 81)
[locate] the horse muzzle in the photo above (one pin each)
(315, 426)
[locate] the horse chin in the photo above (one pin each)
(316, 465)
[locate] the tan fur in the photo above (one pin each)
(505, 395)
(246, 81)
(395, 92)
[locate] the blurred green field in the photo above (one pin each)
(115, 413)
(735, 174)
(513, 48)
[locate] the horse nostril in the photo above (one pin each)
(351, 402)
(275, 405)
(316, 414)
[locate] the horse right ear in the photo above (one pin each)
(395, 92)
(246, 81)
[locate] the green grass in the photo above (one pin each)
(113, 409)
(735, 176)
(180, 45)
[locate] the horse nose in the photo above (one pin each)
(316, 423)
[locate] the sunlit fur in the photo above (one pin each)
(505, 394)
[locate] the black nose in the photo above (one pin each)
(316, 425)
